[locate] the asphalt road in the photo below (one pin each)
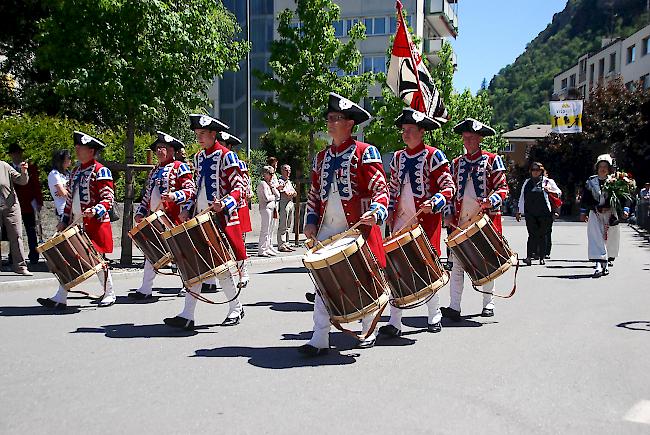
(567, 354)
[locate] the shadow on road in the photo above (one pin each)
(576, 276)
(36, 310)
(285, 307)
(129, 330)
(286, 270)
(570, 267)
(636, 325)
(277, 357)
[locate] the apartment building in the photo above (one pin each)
(627, 58)
(431, 20)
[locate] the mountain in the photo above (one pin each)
(520, 92)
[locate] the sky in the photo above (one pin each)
(492, 33)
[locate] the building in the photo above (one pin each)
(520, 141)
(431, 20)
(627, 58)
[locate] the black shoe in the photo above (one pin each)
(450, 313)
(182, 292)
(528, 261)
(610, 262)
(436, 327)
(33, 260)
(180, 322)
(49, 303)
(311, 297)
(366, 344)
(389, 331)
(597, 274)
(605, 272)
(232, 321)
(542, 261)
(448, 265)
(547, 256)
(309, 350)
(487, 312)
(139, 296)
(209, 288)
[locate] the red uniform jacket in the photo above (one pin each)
(94, 182)
(488, 173)
(358, 170)
(174, 177)
(428, 171)
(219, 176)
(30, 191)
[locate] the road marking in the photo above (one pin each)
(640, 412)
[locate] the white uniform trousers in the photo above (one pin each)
(433, 306)
(603, 240)
(227, 283)
(147, 278)
(457, 280)
(61, 295)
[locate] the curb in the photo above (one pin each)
(122, 275)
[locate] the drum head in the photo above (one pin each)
(333, 250)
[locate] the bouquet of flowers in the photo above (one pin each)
(619, 187)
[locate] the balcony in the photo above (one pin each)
(441, 15)
(431, 48)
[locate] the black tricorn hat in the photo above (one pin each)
(14, 148)
(471, 125)
(412, 116)
(81, 138)
(350, 109)
(167, 140)
(228, 139)
(206, 122)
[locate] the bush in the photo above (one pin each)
(41, 135)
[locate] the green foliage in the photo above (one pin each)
(520, 92)
(304, 64)
(257, 161)
(143, 64)
(41, 135)
(290, 148)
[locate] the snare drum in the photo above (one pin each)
(199, 249)
(71, 257)
(413, 268)
(148, 237)
(347, 277)
(483, 252)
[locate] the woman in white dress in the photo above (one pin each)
(57, 179)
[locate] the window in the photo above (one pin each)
(369, 27)
(338, 28)
(374, 63)
(592, 67)
(350, 23)
(393, 24)
(631, 53)
(380, 26)
(601, 68)
(563, 86)
(612, 62)
(644, 47)
(508, 148)
(572, 81)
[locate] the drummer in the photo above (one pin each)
(168, 185)
(419, 179)
(91, 195)
(483, 194)
(218, 186)
(348, 185)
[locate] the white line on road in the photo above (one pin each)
(640, 412)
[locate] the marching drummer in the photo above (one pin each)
(348, 185)
(480, 179)
(219, 187)
(419, 179)
(91, 197)
(168, 185)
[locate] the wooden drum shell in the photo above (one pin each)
(148, 237)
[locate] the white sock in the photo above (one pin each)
(190, 302)
(61, 295)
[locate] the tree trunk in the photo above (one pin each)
(127, 215)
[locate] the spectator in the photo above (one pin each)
(275, 183)
(10, 212)
(57, 180)
(556, 206)
(535, 205)
(287, 194)
(267, 196)
(644, 194)
(30, 198)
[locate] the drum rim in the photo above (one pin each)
(394, 241)
(360, 314)
(497, 273)
(58, 238)
(145, 221)
(189, 283)
(83, 277)
(164, 260)
(183, 227)
(471, 227)
(337, 257)
(423, 292)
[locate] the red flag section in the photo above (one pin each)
(417, 90)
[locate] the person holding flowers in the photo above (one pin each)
(606, 199)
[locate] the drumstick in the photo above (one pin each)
(406, 224)
(355, 226)
(79, 219)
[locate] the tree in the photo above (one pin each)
(307, 62)
(138, 64)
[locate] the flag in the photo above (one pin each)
(566, 116)
(417, 90)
